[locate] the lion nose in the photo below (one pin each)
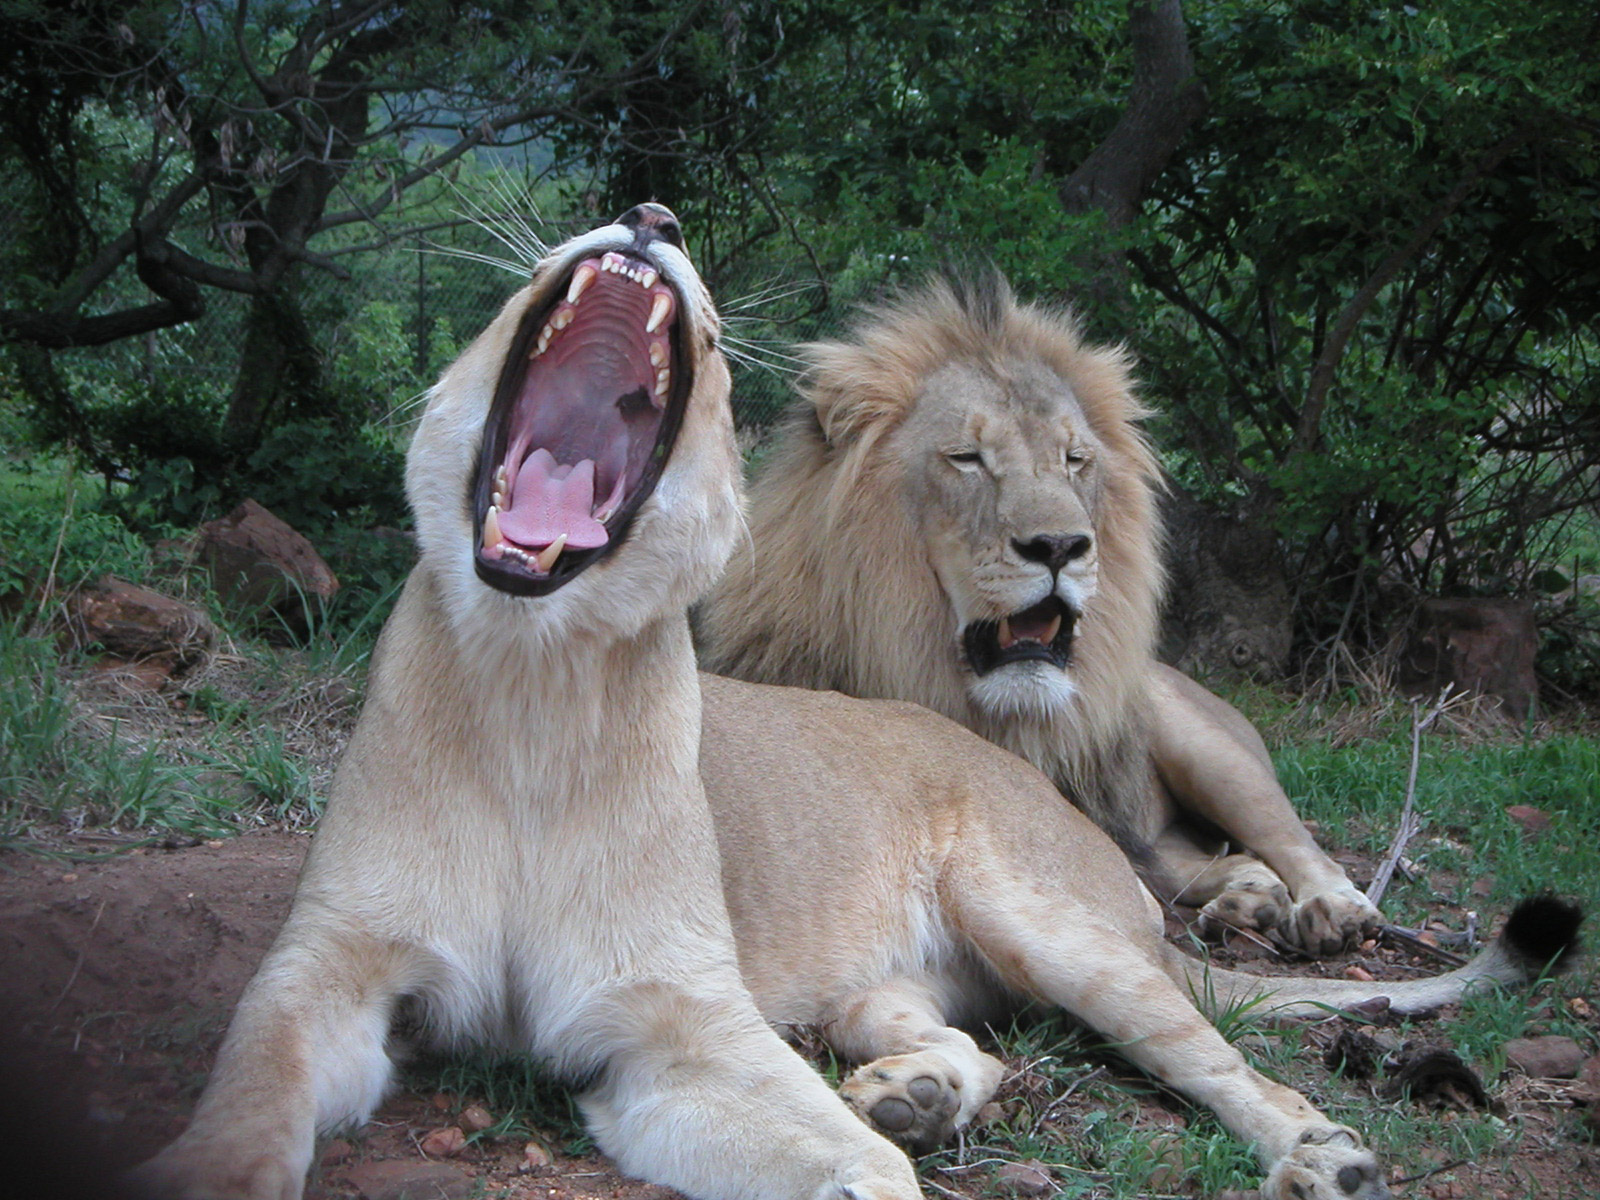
(653, 220)
(1054, 550)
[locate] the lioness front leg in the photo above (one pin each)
(1212, 762)
(304, 1054)
(698, 1091)
(921, 1080)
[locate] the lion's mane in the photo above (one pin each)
(837, 591)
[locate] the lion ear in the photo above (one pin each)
(845, 392)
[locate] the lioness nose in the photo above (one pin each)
(655, 219)
(1054, 550)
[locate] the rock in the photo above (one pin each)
(475, 1118)
(409, 1179)
(1025, 1178)
(1480, 645)
(138, 624)
(1589, 1080)
(444, 1143)
(1548, 1057)
(989, 1114)
(259, 565)
(1532, 820)
(535, 1158)
(335, 1152)
(1228, 606)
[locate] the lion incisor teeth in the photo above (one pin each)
(491, 528)
(658, 312)
(648, 278)
(581, 279)
(1052, 629)
(546, 558)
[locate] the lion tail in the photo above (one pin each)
(1541, 935)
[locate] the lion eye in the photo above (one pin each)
(965, 460)
(1074, 458)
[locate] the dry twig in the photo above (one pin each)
(1409, 821)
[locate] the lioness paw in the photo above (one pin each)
(1327, 922)
(184, 1172)
(912, 1099)
(1329, 1164)
(1254, 899)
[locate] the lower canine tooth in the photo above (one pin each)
(1051, 631)
(546, 558)
(491, 528)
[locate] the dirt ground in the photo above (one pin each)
(117, 977)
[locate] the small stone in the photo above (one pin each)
(990, 1113)
(1355, 972)
(1532, 820)
(69, 877)
(1548, 1057)
(535, 1158)
(1580, 1008)
(1482, 887)
(1024, 1178)
(1589, 1081)
(444, 1143)
(409, 1179)
(440, 1101)
(336, 1151)
(475, 1118)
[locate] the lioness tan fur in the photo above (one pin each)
(960, 513)
(519, 838)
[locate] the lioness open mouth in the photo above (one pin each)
(1040, 633)
(586, 413)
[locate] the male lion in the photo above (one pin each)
(519, 838)
(960, 513)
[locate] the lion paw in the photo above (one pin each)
(186, 1172)
(1330, 1163)
(1254, 898)
(1327, 922)
(912, 1099)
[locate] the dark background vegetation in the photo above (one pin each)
(1353, 245)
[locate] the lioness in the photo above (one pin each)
(959, 512)
(518, 836)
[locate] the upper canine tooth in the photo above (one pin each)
(658, 312)
(546, 558)
(1005, 633)
(581, 279)
(491, 528)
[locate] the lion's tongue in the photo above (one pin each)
(548, 500)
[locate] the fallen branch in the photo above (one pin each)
(1410, 822)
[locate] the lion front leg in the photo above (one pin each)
(303, 1054)
(1213, 763)
(698, 1092)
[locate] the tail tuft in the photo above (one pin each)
(1542, 931)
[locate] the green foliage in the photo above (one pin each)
(47, 536)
